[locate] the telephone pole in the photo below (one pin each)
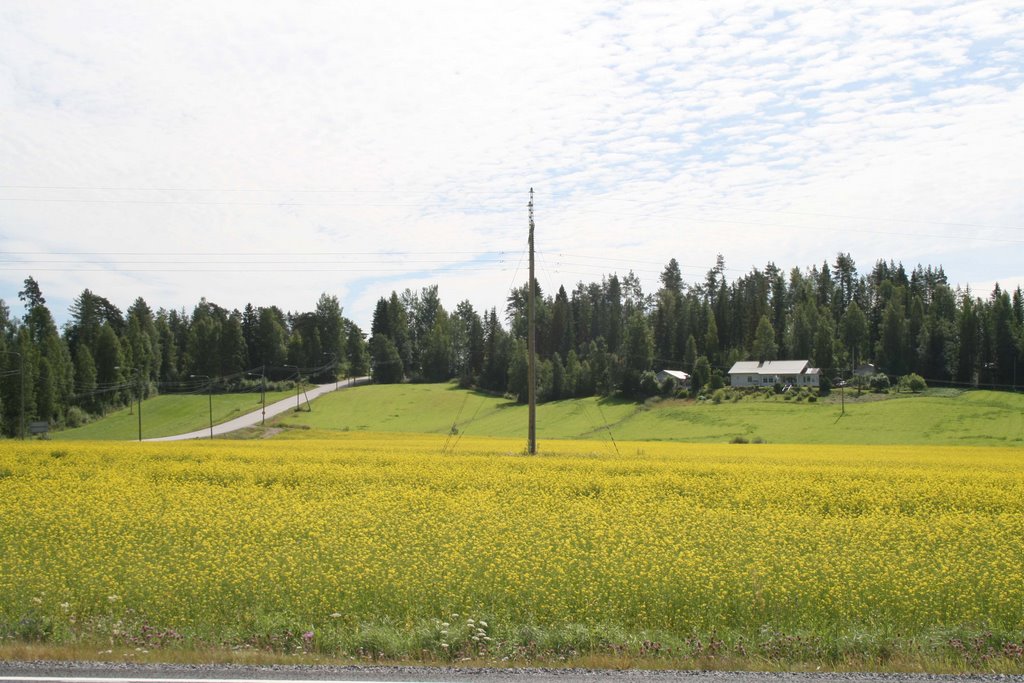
(531, 345)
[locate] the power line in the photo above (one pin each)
(247, 263)
(625, 260)
(109, 269)
(816, 214)
(251, 253)
(266, 190)
(434, 191)
(204, 202)
(816, 228)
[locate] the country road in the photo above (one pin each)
(255, 417)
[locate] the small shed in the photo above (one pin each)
(865, 370)
(678, 377)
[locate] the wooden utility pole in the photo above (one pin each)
(531, 345)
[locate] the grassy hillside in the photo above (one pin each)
(169, 414)
(934, 417)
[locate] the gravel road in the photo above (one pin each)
(72, 671)
(255, 417)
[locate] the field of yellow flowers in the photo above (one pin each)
(389, 546)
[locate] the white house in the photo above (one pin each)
(680, 378)
(751, 373)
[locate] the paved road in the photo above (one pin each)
(254, 418)
(95, 672)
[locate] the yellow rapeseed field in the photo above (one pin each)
(234, 542)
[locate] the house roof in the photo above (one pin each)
(678, 374)
(770, 367)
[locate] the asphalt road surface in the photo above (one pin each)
(254, 418)
(89, 672)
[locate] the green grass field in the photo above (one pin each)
(169, 414)
(934, 417)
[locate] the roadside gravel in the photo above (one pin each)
(439, 674)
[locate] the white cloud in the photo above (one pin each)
(650, 131)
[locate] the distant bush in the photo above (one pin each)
(913, 382)
(824, 386)
(777, 388)
(718, 396)
(75, 417)
(649, 384)
(812, 399)
(716, 381)
(743, 439)
(879, 383)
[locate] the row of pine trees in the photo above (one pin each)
(604, 336)
(600, 338)
(104, 357)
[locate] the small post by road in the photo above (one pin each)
(298, 381)
(334, 365)
(842, 395)
(137, 375)
(209, 394)
(263, 392)
(21, 372)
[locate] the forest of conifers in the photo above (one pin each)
(600, 338)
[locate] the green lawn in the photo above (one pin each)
(934, 417)
(170, 414)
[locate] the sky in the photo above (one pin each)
(268, 152)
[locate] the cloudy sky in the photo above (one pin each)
(266, 152)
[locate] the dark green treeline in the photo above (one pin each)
(105, 357)
(600, 338)
(605, 337)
